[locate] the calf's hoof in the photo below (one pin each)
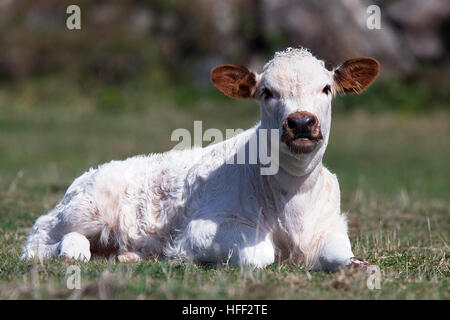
(128, 257)
(358, 264)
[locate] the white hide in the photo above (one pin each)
(191, 205)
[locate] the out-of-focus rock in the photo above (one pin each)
(420, 22)
(337, 31)
(419, 14)
(180, 36)
(425, 44)
(141, 20)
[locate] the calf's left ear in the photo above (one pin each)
(356, 75)
(234, 81)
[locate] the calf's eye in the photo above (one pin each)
(326, 89)
(267, 94)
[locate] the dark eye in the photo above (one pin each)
(326, 89)
(267, 94)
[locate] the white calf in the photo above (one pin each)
(195, 206)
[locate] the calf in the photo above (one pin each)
(196, 206)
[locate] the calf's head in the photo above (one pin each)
(295, 92)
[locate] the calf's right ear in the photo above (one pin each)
(234, 81)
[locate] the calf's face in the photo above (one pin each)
(295, 92)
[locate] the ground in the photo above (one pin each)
(395, 182)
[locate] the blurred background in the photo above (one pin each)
(128, 52)
(137, 70)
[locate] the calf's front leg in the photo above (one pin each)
(207, 241)
(337, 254)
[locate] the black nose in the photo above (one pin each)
(301, 126)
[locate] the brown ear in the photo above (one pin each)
(234, 81)
(355, 75)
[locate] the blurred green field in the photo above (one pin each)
(393, 170)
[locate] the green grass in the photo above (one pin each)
(393, 171)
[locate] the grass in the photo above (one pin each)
(393, 170)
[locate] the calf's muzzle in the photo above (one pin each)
(301, 132)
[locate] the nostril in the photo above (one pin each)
(310, 121)
(292, 123)
(301, 123)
